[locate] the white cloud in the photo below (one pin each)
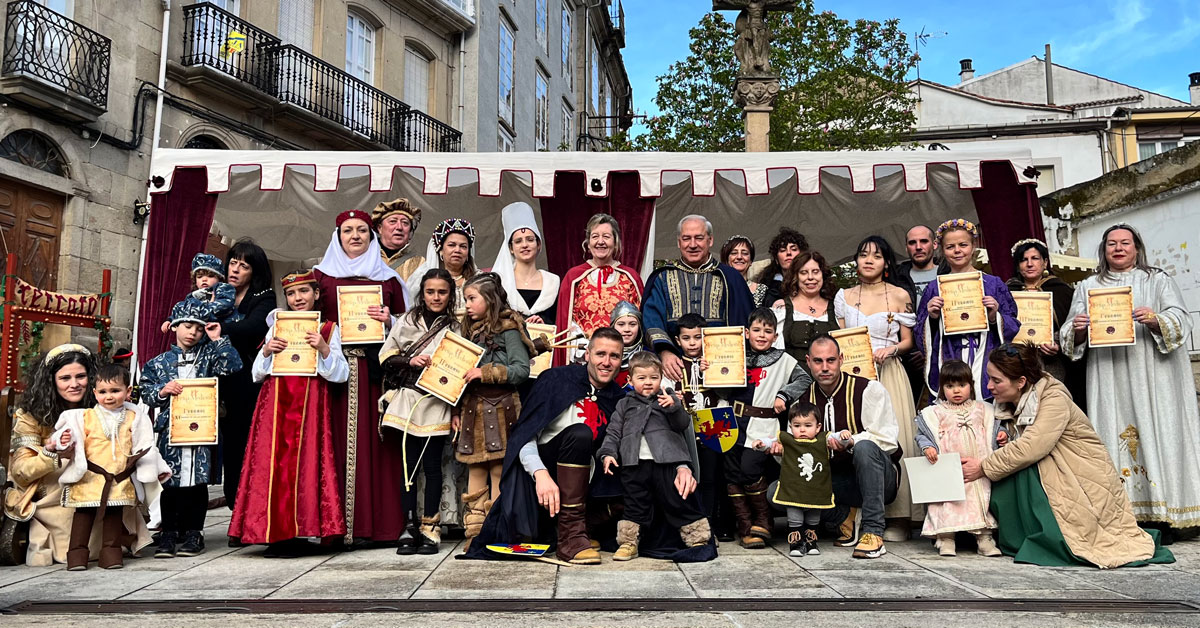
(1131, 34)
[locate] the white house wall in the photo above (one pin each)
(1026, 82)
(938, 108)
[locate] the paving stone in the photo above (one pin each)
(93, 584)
(589, 582)
(482, 578)
(1151, 582)
(240, 570)
(861, 583)
(772, 575)
(329, 584)
(842, 559)
(13, 575)
(198, 594)
(385, 559)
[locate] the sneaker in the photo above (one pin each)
(192, 545)
(796, 544)
(810, 542)
(869, 546)
(167, 545)
(847, 529)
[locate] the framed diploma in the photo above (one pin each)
(1035, 310)
(858, 358)
(1111, 314)
(541, 362)
(725, 351)
(194, 413)
(963, 312)
(298, 358)
(445, 377)
(356, 325)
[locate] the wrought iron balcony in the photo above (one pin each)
(420, 132)
(46, 54)
(218, 39)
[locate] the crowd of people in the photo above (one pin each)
(604, 450)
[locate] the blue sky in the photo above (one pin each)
(1151, 44)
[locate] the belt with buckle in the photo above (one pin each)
(744, 409)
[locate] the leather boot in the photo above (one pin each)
(741, 514)
(430, 535)
(847, 529)
(474, 516)
(696, 533)
(628, 534)
(406, 545)
(760, 510)
(573, 544)
(81, 533)
(111, 555)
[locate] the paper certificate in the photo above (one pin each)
(541, 362)
(194, 413)
(1035, 310)
(858, 358)
(445, 377)
(1111, 313)
(357, 326)
(298, 358)
(941, 482)
(725, 351)
(963, 311)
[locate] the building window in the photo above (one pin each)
(360, 47)
(35, 150)
(541, 113)
(507, 55)
(206, 142)
(416, 79)
(594, 71)
(568, 67)
(1150, 148)
(541, 24)
(505, 142)
(296, 23)
(568, 121)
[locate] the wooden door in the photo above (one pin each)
(31, 221)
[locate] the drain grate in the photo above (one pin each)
(600, 605)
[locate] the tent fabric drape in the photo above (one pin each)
(179, 224)
(1008, 213)
(566, 214)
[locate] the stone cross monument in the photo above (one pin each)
(757, 86)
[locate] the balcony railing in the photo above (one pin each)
(420, 132)
(45, 45)
(616, 14)
(220, 40)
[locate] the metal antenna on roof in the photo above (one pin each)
(922, 39)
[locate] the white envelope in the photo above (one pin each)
(941, 482)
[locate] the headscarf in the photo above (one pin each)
(369, 265)
(517, 216)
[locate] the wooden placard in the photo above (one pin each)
(357, 326)
(725, 351)
(858, 358)
(445, 377)
(1111, 313)
(298, 358)
(541, 362)
(963, 311)
(1035, 310)
(194, 413)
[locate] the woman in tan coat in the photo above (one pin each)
(1055, 494)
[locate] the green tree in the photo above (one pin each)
(842, 86)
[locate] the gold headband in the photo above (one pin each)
(67, 348)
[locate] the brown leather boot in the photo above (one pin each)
(81, 533)
(573, 544)
(760, 510)
(741, 515)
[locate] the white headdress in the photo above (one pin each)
(517, 216)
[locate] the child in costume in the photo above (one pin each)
(774, 380)
(114, 465)
(958, 422)
(199, 351)
(210, 295)
(626, 318)
(647, 435)
(288, 491)
(805, 486)
(423, 419)
(490, 405)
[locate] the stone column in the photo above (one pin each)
(756, 95)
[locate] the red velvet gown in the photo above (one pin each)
(290, 486)
(372, 465)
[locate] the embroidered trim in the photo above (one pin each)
(351, 438)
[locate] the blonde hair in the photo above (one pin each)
(603, 219)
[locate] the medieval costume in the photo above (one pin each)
(711, 475)
(973, 347)
(715, 291)
(399, 260)
(217, 301)
(367, 460)
(798, 329)
(291, 485)
(805, 488)
(114, 467)
(540, 302)
(621, 310)
(970, 430)
(1142, 399)
(1055, 494)
(433, 260)
(586, 298)
(1059, 366)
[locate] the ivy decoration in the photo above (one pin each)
(32, 348)
(102, 327)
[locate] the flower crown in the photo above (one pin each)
(1022, 243)
(957, 223)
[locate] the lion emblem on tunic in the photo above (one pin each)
(807, 468)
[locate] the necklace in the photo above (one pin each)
(887, 303)
(811, 309)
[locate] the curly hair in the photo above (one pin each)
(785, 237)
(41, 399)
(791, 282)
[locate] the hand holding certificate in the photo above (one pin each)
(963, 311)
(1035, 311)
(725, 351)
(194, 413)
(1110, 311)
(298, 358)
(858, 358)
(356, 323)
(446, 375)
(541, 362)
